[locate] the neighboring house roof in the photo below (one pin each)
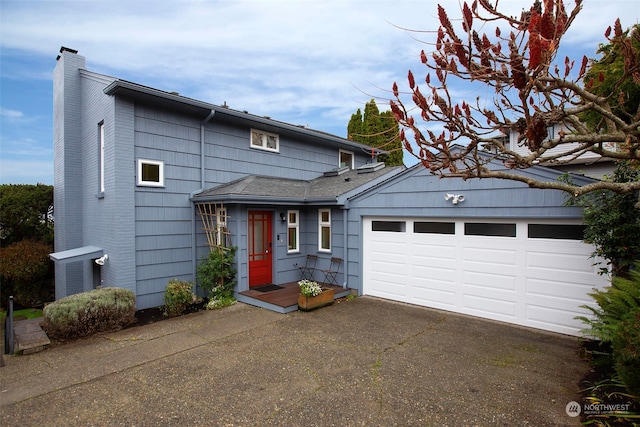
(175, 100)
(331, 188)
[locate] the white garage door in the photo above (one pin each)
(534, 274)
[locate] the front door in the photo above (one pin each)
(260, 261)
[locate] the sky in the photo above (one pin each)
(305, 62)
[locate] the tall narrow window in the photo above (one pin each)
(221, 227)
(324, 230)
(101, 156)
(293, 228)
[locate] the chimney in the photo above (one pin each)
(66, 49)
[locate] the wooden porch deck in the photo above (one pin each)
(283, 300)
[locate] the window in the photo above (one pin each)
(346, 159)
(293, 228)
(150, 173)
(221, 227)
(392, 226)
(101, 156)
(434, 227)
(264, 140)
(556, 231)
(489, 229)
(324, 230)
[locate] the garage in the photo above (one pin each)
(529, 272)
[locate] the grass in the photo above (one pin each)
(25, 313)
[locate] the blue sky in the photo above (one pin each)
(310, 62)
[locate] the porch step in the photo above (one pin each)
(284, 300)
(29, 336)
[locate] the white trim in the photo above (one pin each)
(160, 182)
(101, 155)
(321, 225)
(293, 225)
(262, 140)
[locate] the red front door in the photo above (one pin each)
(260, 261)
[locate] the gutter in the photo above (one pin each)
(193, 193)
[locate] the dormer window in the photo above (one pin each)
(264, 140)
(345, 158)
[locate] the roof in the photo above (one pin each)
(77, 254)
(175, 100)
(326, 189)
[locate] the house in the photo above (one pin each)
(588, 164)
(147, 180)
(134, 166)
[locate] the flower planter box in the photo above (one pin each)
(311, 303)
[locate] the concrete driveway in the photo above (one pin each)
(364, 362)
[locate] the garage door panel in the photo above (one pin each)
(490, 256)
(489, 307)
(498, 282)
(571, 290)
(554, 319)
(388, 287)
(554, 261)
(435, 298)
(441, 274)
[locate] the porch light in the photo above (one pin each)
(283, 217)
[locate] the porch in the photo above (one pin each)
(285, 298)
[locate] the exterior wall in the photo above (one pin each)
(420, 194)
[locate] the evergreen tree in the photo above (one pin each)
(378, 130)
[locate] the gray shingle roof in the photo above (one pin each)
(265, 188)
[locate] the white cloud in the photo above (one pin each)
(10, 115)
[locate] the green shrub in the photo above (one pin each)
(616, 321)
(86, 313)
(26, 273)
(217, 276)
(178, 295)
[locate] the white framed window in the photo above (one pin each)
(221, 226)
(150, 173)
(293, 231)
(265, 140)
(345, 158)
(101, 157)
(324, 230)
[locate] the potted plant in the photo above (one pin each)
(313, 296)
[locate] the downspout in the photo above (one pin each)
(193, 194)
(345, 221)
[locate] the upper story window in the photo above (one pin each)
(346, 159)
(264, 140)
(293, 228)
(150, 173)
(324, 230)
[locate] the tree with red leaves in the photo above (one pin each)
(531, 93)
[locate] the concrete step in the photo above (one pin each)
(29, 336)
